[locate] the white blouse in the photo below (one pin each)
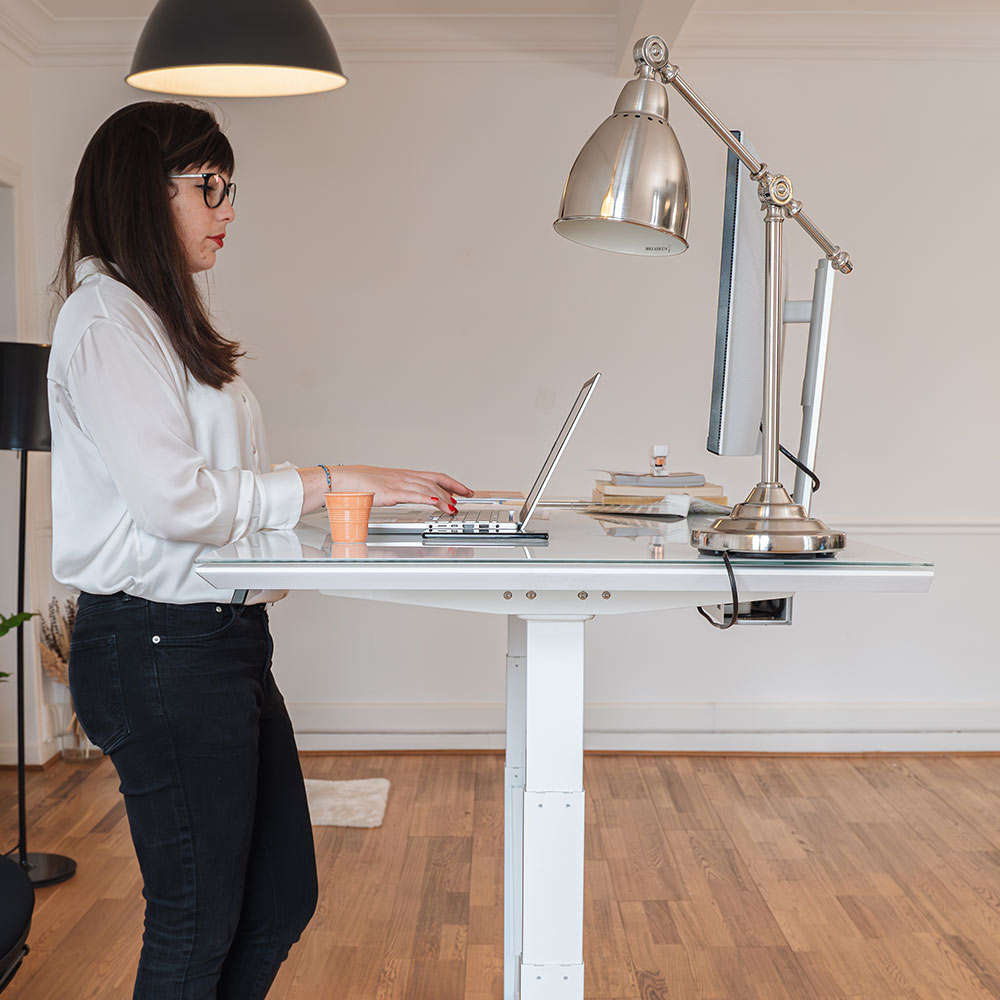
(149, 468)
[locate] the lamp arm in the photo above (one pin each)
(774, 189)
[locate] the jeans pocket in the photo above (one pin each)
(183, 624)
(95, 684)
(92, 604)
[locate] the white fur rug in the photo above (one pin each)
(347, 803)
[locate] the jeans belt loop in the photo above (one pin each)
(239, 597)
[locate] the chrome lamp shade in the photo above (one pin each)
(235, 48)
(631, 171)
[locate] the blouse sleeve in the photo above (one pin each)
(129, 403)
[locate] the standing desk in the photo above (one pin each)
(548, 592)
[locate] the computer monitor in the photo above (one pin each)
(738, 380)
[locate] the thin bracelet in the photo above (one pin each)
(329, 481)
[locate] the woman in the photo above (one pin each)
(158, 451)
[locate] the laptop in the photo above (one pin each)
(486, 521)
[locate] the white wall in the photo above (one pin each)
(18, 321)
(391, 235)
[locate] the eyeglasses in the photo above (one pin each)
(213, 187)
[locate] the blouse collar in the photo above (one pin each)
(91, 265)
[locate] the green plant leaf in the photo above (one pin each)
(8, 623)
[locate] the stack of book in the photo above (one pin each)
(643, 488)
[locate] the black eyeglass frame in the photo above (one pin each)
(228, 190)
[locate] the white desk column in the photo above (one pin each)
(551, 966)
(513, 809)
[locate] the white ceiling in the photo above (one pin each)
(86, 9)
(595, 32)
(141, 8)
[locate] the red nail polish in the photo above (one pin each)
(453, 509)
(435, 499)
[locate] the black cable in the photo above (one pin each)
(725, 555)
(791, 458)
(809, 472)
(736, 599)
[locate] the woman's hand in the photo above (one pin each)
(392, 486)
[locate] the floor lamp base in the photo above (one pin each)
(48, 869)
(770, 525)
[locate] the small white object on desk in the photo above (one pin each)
(658, 456)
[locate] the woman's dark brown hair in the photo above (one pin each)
(120, 214)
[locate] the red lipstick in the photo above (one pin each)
(217, 239)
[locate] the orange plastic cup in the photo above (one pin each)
(348, 513)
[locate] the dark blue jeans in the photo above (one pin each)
(182, 699)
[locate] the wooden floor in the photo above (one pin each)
(707, 878)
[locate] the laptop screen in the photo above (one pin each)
(557, 449)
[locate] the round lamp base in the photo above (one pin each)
(769, 525)
(48, 869)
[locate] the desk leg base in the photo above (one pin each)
(551, 982)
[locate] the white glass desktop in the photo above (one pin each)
(548, 591)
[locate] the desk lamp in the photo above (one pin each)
(628, 192)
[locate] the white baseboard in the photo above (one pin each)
(388, 742)
(35, 754)
(761, 727)
(749, 727)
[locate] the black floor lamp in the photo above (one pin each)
(24, 427)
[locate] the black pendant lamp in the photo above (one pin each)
(235, 48)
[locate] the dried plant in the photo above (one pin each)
(57, 631)
(56, 634)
